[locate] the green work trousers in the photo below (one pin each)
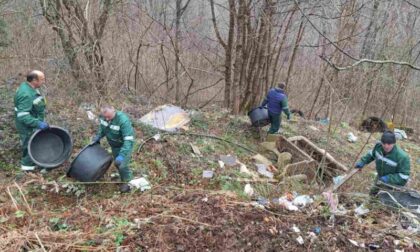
(124, 170)
(275, 120)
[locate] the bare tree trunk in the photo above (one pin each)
(299, 36)
(228, 49)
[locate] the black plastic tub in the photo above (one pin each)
(50, 148)
(259, 117)
(90, 164)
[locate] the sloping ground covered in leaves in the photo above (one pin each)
(183, 211)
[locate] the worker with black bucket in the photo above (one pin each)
(276, 102)
(116, 126)
(392, 163)
(29, 113)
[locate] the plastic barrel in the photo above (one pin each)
(51, 147)
(90, 164)
(259, 117)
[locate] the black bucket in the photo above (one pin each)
(90, 164)
(259, 117)
(51, 147)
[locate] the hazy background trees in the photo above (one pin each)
(224, 52)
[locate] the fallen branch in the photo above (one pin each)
(24, 198)
(40, 242)
(13, 199)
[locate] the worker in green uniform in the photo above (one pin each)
(116, 126)
(29, 113)
(392, 163)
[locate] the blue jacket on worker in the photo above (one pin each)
(276, 102)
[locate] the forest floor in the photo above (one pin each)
(183, 211)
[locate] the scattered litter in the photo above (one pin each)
(355, 243)
(302, 200)
(205, 199)
(229, 160)
(337, 180)
(156, 137)
(195, 149)
(317, 230)
(272, 168)
(207, 174)
(324, 121)
(332, 200)
(260, 159)
(91, 115)
(312, 236)
(300, 240)
(295, 229)
(286, 204)
(351, 137)
(372, 246)
(166, 117)
(400, 134)
(361, 210)
(140, 183)
(248, 190)
(221, 164)
(262, 169)
(313, 128)
(257, 205)
(263, 201)
(244, 169)
(397, 242)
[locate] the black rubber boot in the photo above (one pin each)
(125, 188)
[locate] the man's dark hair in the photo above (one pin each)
(31, 76)
(281, 85)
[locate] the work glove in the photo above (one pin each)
(359, 165)
(43, 125)
(95, 140)
(289, 117)
(119, 160)
(384, 179)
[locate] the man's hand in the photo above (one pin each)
(119, 160)
(95, 140)
(43, 125)
(359, 165)
(384, 179)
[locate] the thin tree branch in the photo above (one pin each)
(382, 62)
